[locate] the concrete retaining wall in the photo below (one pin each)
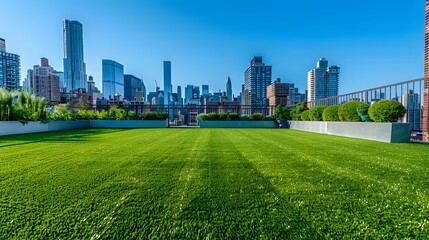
(237, 124)
(382, 132)
(128, 124)
(67, 125)
(14, 127)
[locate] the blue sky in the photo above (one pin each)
(375, 42)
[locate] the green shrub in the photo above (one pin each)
(244, 117)
(386, 111)
(257, 116)
(101, 115)
(85, 114)
(268, 118)
(161, 115)
(296, 112)
(304, 115)
(64, 113)
(315, 113)
(6, 104)
(283, 112)
(212, 116)
(149, 116)
(331, 114)
(202, 117)
(234, 116)
(115, 113)
(223, 116)
(131, 115)
(348, 112)
(28, 107)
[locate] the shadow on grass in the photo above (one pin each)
(230, 199)
(80, 135)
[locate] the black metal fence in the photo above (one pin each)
(186, 114)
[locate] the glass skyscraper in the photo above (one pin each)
(113, 79)
(167, 82)
(74, 65)
(256, 79)
(131, 85)
(9, 68)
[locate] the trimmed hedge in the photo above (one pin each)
(257, 116)
(348, 112)
(244, 117)
(304, 115)
(315, 113)
(212, 116)
(331, 114)
(234, 116)
(386, 111)
(222, 116)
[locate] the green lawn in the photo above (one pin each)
(210, 183)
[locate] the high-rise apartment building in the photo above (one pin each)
(323, 81)
(167, 82)
(45, 82)
(113, 79)
(256, 79)
(229, 89)
(205, 89)
(74, 65)
(9, 68)
(132, 84)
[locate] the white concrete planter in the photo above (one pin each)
(382, 132)
(128, 123)
(15, 127)
(237, 124)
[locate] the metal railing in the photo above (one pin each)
(409, 93)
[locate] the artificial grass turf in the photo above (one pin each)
(210, 183)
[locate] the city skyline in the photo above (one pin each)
(190, 32)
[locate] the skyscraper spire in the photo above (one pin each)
(229, 89)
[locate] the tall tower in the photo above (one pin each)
(229, 89)
(323, 81)
(74, 65)
(167, 82)
(425, 127)
(256, 79)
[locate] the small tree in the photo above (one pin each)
(296, 112)
(283, 112)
